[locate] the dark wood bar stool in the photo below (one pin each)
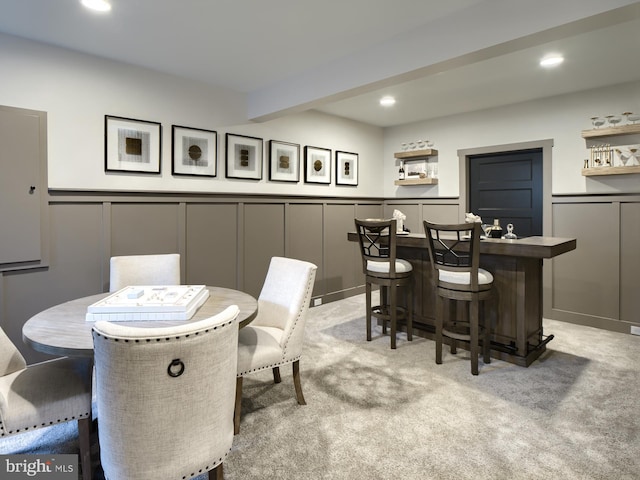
(454, 251)
(377, 239)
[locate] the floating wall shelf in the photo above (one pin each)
(598, 171)
(632, 129)
(415, 154)
(417, 181)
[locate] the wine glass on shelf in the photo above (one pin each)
(597, 121)
(614, 120)
(632, 117)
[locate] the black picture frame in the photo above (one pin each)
(132, 145)
(284, 161)
(194, 151)
(317, 165)
(346, 168)
(243, 157)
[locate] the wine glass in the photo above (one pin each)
(403, 146)
(421, 144)
(614, 119)
(633, 117)
(597, 121)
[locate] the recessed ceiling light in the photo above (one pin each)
(551, 61)
(97, 5)
(387, 101)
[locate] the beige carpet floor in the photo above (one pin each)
(374, 413)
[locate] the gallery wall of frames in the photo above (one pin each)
(133, 145)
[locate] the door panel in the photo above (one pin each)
(508, 186)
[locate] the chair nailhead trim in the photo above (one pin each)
(166, 339)
(207, 467)
(44, 424)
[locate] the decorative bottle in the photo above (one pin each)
(401, 171)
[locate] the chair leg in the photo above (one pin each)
(486, 342)
(410, 313)
(217, 473)
(276, 375)
(384, 306)
(84, 439)
(473, 341)
(439, 321)
(368, 309)
(451, 312)
(296, 383)
(393, 306)
(238, 406)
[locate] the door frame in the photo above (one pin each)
(547, 205)
(545, 145)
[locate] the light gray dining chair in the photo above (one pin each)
(161, 269)
(275, 337)
(166, 397)
(44, 394)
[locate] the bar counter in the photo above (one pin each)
(515, 311)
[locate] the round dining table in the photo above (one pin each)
(63, 330)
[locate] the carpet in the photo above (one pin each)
(376, 413)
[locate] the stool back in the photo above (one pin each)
(377, 240)
(455, 249)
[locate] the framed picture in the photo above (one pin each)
(317, 165)
(132, 145)
(284, 161)
(194, 151)
(244, 157)
(346, 168)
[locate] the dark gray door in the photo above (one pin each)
(508, 186)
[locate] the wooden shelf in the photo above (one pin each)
(417, 181)
(634, 128)
(414, 154)
(597, 171)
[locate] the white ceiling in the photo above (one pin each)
(259, 46)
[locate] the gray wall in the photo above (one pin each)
(228, 241)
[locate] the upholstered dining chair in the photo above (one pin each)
(161, 269)
(454, 251)
(43, 394)
(166, 396)
(380, 265)
(275, 337)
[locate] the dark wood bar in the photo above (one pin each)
(515, 312)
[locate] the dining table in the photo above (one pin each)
(63, 329)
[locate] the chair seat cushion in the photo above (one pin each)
(45, 393)
(259, 348)
(402, 266)
(464, 278)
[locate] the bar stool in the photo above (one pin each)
(377, 239)
(454, 251)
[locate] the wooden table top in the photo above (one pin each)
(62, 329)
(535, 247)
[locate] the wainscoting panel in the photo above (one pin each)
(304, 238)
(263, 238)
(211, 256)
(144, 228)
(630, 262)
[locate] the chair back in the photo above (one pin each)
(455, 249)
(162, 269)
(377, 240)
(165, 396)
(11, 360)
(284, 301)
